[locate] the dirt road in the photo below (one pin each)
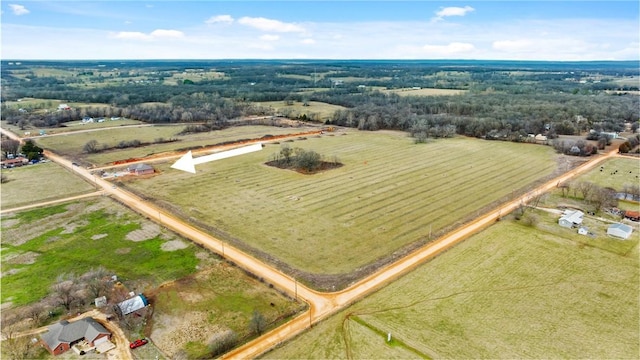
(321, 305)
(52, 202)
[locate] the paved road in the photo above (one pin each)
(321, 305)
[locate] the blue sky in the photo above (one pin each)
(502, 30)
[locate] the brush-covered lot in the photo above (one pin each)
(27, 185)
(390, 193)
(510, 292)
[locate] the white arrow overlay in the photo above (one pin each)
(188, 163)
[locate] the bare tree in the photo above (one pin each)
(16, 346)
(258, 323)
(586, 188)
(602, 198)
(10, 146)
(36, 313)
(95, 281)
(65, 291)
(91, 147)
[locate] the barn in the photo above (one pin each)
(622, 231)
(63, 335)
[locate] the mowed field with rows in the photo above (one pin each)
(509, 292)
(389, 193)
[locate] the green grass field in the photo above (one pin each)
(26, 185)
(628, 172)
(72, 144)
(389, 193)
(322, 111)
(510, 292)
(40, 244)
(426, 92)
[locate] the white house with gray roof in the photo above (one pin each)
(571, 218)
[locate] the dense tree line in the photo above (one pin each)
(505, 100)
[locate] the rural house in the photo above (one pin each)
(571, 218)
(134, 304)
(621, 231)
(9, 163)
(63, 335)
(141, 169)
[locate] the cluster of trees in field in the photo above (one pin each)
(306, 161)
(504, 100)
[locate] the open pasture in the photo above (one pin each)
(192, 140)
(615, 173)
(322, 110)
(425, 92)
(72, 144)
(509, 292)
(33, 184)
(390, 193)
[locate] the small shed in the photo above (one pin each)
(571, 218)
(134, 304)
(621, 231)
(632, 215)
(141, 169)
(583, 230)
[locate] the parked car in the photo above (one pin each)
(138, 343)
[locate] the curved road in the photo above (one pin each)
(321, 305)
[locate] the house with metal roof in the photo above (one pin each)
(63, 335)
(571, 218)
(622, 231)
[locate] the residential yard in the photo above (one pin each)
(38, 183)
(510, 292)
(389, 194)
(38, 245)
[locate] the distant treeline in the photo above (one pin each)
(504, 100)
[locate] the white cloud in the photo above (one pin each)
(449, 49)
(265, 24)
(269, 37)
(162, 33)
(452, 11)
(131, 35)
(224, 19)
(18, 9)
(308, 41)
(154, 35)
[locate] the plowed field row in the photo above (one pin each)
(389, 193)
